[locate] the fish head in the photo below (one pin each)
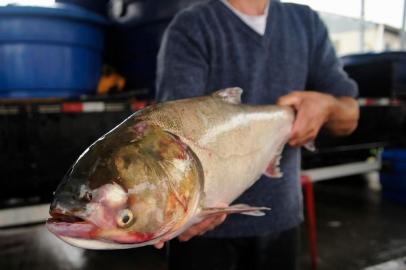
(134, 186)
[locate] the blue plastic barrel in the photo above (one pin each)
(49, 51)
(98, 6)
(393, 177)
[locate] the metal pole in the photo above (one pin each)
(362, 27)
(402, 32)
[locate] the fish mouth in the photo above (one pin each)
(69, 225)
(82, 233)
(57, 217)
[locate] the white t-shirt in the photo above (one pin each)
(257, 23)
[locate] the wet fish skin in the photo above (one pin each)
(169, 166)
(235, 143)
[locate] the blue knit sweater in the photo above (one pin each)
(207, 47)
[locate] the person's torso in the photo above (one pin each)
(266, 68)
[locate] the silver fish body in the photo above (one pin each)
(234, 143)
(168, 166)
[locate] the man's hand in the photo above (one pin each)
(315, 110)
(200, 228)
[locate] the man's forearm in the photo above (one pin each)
(344, 117)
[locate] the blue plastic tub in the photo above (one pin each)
(393, 177)
(49, 51)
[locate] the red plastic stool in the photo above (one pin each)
(307, 186)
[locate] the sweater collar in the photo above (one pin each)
(257, 22)
(247, 29)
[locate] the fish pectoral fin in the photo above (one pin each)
(229, 95)
(273, 170)
(243, 209)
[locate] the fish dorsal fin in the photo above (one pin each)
(229, 95)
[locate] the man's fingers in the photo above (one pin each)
(217, 220)
(159, 245)
(206, 223)
(191, 232)
(194, 230)
(220, 219)
(294, 99)
(300, 143)
(304, 129)
(312, 112)
(202, 227)
(184, 237)
(300, 127)
(304, 138)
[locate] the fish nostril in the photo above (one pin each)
(88, 196)
(66, 201)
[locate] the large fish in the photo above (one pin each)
(167, 167)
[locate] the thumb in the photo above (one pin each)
(292, 100)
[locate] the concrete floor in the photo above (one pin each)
(356, 229)
(33, 248)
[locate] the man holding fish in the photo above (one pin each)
(178, 167)
(279, 53)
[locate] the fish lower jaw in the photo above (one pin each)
(86, 235)
(101, 245)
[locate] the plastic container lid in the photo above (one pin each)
(55, 10)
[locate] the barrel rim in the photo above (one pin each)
(56, 10)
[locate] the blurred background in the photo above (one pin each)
(70, 70)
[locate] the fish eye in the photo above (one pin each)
(125, 218)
